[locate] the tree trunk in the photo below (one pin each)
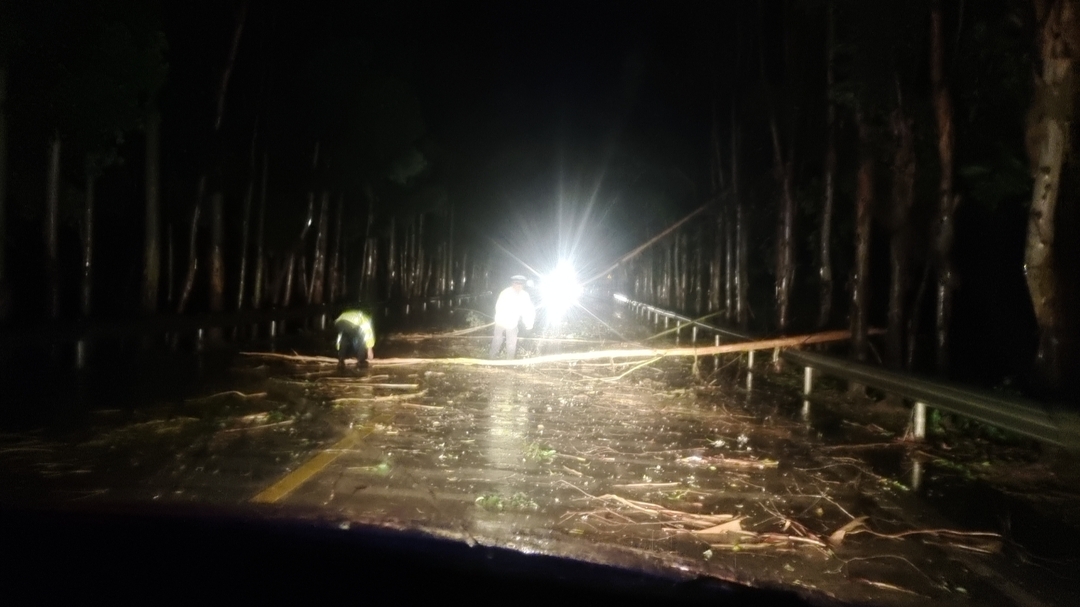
(947, 201)
(864, 201)
(717, 273)
(245, 229)
(825, 273)
(305, 285)
(88, 246)
(450, 255)
(698, 290)
(193, 257)
(152, 233)
(785, 245)
(169, 267)
(297, 249)
(52, 213)
(3, 190)
(716, 269)
(217, 254)
(418, 258)
(742, 234)
(260, 253)
(335, 262)
(903, 193)
(318, 264)
(1048, 139)
(392, 272)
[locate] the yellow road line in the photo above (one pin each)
(315, 465)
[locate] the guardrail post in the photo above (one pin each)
(750, 360)
(776, 355)
(920, 420)
(693, 334)
(716, 357)
(678, 332)
(199, 340)
(666, 319)
(808, 381)
(916, 474)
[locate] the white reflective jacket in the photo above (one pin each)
(513, 306)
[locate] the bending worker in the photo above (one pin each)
(513, 306)
(354, 328)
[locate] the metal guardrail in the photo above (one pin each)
(656, 314)
(1056, 426)
(1019, 415)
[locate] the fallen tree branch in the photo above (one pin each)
(228, 393)
(764, 344)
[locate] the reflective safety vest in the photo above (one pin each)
(361, 321)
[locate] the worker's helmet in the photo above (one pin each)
(518, 279)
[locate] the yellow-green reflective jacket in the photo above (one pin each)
(361, 320)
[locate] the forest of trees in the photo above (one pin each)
(891, 130)
(906, 164)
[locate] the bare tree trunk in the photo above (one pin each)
(343, 278)
(245, 227)
(226, 72)
(305, 285)
(418, 258)
(903, 194)
(169, 267)
(88, 245)
(717, 166)
(318, 264)
(3, 187)
(52, 213)
(1048, 140)
(698, 290)
(729, 264)
(193, 257)
(260, 253)
(152, 233)
(217, 254)
(716, 268)
(216, 278)
(464, 285)
(742, 233)
(450, 254)
(864, 201)
(913, 317)
(785, 245)
(297, 250)
(677, 290)
(825, 273)
(947, 201)
(335, 262)
(667, 275)
(392, 271)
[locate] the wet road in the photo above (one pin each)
(642, 465)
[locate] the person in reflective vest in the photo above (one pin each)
(513, 306)
(354, 329)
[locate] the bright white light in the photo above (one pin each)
(560, 290)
